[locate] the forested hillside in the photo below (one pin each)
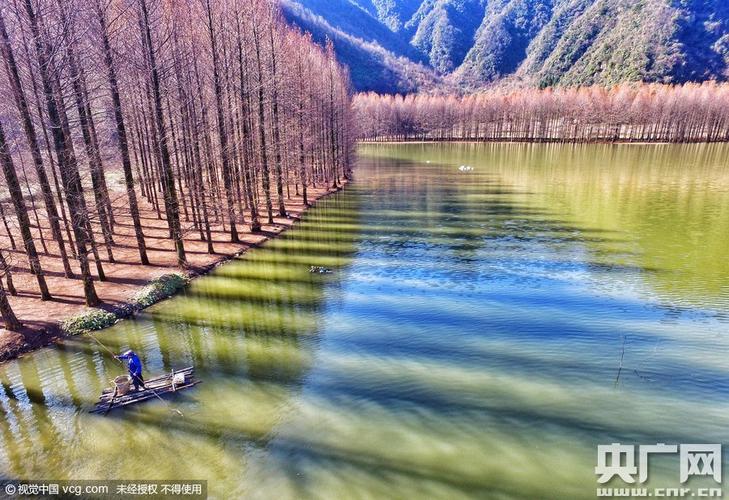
(399, 45)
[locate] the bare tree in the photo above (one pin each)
(21, 212)
(29, 128)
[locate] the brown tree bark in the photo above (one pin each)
(266, 174)
(30, 134)
(7, 227)
(122, 136)
(66, 159)
(276, 128)
(21, 212)
(6, 312)
(247, 147)
(92, 154)
(222, 132)
(168, 181)
(8, 273)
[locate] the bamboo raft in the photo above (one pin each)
(154, 387)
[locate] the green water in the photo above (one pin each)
(467, 344)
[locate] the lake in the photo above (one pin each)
(483, 330)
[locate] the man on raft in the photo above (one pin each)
(135, 368)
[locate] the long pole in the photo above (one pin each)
(150, 389)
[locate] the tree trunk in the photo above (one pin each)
(7, 227)
(222, 133)
(66, 160)
(248, 180)
(168, 181)
(122, 138)
(262, 130)
(5, 270)
(276, 129)
(93, 156)
(22, 105)
(6, 312)
(21, 213)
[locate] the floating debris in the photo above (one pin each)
(320, 270)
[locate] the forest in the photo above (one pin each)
(405, 46)
(628, 112)
(207, 116)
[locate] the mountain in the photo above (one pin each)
(444, 30)
(404, 45)
(379, 58)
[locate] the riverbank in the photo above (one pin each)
(126, 277)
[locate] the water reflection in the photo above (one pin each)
(670, 202)
(466, 345)
(253, 324)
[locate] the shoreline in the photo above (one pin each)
(14, 345)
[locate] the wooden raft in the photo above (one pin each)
(157, 386)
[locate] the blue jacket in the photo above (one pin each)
(135, 365)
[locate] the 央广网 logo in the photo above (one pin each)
(619, 460)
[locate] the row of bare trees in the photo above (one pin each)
(213, 113)
(629, 112)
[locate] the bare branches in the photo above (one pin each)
(630, 112)
(200, 109)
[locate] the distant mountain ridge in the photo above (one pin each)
(403, 45)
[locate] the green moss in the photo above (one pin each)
(98, 319)
(159, 289)
(89, 321)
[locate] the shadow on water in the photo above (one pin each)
(256, 320)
